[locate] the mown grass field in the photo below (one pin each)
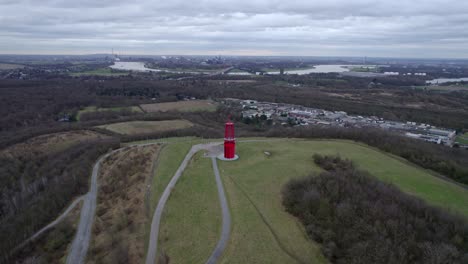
(462, 139)
(100, 72)
(10, 66)
(262, 232)
(181, 106)
(260, 178)
(142, 127)
(90, 109)
(191, 222)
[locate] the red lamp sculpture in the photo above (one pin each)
(229, 141)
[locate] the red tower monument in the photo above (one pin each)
(229, 141)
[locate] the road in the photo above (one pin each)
(80, 243)
(226, 228)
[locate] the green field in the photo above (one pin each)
(145, 127)
(90, 109)
(100, 72)
(462, 139)
(262, 232)
(10, 66)
(191, 223)
(181, 106)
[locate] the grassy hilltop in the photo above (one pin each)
(262, 231)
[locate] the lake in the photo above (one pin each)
(331, 68)
(131, 66)
(446, 80)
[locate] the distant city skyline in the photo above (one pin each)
(409, 29)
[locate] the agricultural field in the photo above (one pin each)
(100, 72)
(144, 127)
(91, 109)
(181, 106)
(262, 232)
(51, 143)
(448, 88)
(462, 139)
(9, 66)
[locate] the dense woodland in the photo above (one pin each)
(359, 219)
(42, 103)
(35, 187)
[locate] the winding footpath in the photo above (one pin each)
(51, 224)
(226, 228)
(80, 243)
(155, 224)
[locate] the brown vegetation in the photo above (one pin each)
(52, 142)
(51, 247)
(119, 230)
(37, 186)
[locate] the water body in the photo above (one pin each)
(318, 69)
(131, 66)
(239, 73)
(140, 66)
(447, 80)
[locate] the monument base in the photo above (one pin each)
(221, 157)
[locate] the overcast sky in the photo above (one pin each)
(393, 28)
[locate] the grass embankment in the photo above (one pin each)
(52, 143)
(181, 106)
(169, 160)
(100, 72)
(462, 139)
(53, 245)
(191, 222)
(91, 109)
(122, 212)
(263, 232)
(142, 127)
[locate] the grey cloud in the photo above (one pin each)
(418, 28)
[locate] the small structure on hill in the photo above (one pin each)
(229, 142)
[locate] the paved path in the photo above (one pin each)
(154, 233)
(51, 224)
(226, 228)
(80, 244)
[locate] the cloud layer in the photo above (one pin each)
(430, 28)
